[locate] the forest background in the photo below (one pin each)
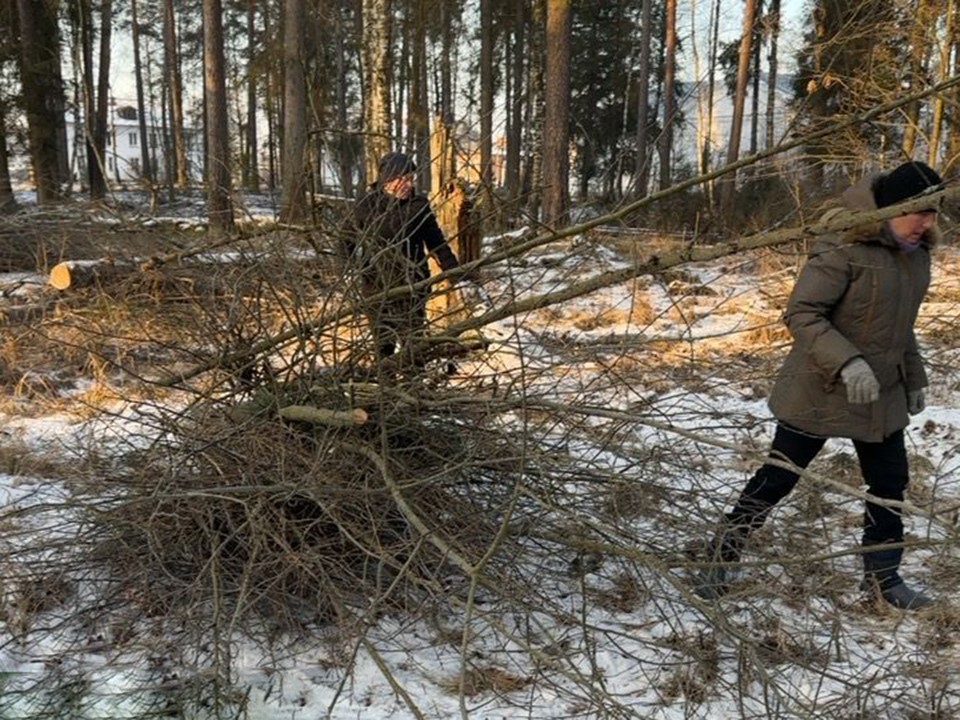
(239, 514)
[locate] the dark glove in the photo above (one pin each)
(862, 385)
(915, 402)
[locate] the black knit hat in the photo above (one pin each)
(909, 180)
(394, 165)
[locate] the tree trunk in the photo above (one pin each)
(146, 171)
(772, 60)
(533, 140)
(642, 163)
(418, 123)
(515, 110)
(728, 185)
(175, 87)
(346, 158)
(251, 172)
(556, 126)
(925, 18)
(101, 124)
(669, 94)
(8, 202)
(219, 185)
(755, 93)
(486, 95)
(376, 76)
(42, 94)
(293, 200)
(953, 121)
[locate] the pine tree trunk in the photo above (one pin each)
(642, 162)
(42, 94)
(669, 98)
(418, 118)
(251, 173)
(293, 201)
(486, 95)
(772, 77)
(556, 130)
(515, 110)
(219, 184)
(101, 124)
(8, 202)
(175, 88)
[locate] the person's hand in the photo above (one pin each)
(915, 402)
(862, 385)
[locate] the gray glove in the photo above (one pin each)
(915, 401)
(862, 384)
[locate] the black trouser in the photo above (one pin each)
(884, 468)
(394, 321)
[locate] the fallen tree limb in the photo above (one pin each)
(324, 416)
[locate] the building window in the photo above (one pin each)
(133, 139)
(109, 163)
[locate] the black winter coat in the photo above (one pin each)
(394, 237)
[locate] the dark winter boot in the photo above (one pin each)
(900, 595)
(712, 581)
(881, 578)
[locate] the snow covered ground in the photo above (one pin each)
(666, 378)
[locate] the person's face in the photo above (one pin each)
(910, 228)
(401, 187)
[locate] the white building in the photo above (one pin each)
(122, 163)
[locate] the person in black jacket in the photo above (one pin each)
(394, 231)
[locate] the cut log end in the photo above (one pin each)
(60, 276)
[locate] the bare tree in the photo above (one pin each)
(219, 184)
(556, 131)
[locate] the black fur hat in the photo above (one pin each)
(909, 180)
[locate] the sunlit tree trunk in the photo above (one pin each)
(556, 125)
(669, 94)
(376, 77)
(219, 184)
(171, 62)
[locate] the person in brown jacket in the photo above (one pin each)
(854, 371)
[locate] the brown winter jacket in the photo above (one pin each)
(858, 294)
